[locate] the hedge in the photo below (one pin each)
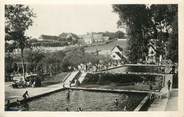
(101, 78)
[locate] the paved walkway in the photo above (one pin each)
(172, 104)
(166, 104)
(13, 94)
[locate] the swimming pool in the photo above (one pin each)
(87, 100)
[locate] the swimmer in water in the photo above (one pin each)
(68, 94)
(125, 108)
(67, 109)
(80, 109)
(126, 97)
(116, 102)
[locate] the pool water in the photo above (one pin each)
(87, 100)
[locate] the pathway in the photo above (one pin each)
(172, 104)
(166, 104)
(13, 94)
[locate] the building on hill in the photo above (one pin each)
(97, 37)
(63, 39)
(117, 54)
(152, 57)
(90, 38)
(48, 38)
(87, 38)
(68, 36)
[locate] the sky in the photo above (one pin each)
(80, 19)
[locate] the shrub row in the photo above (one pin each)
(100, 78)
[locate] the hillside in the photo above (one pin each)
(108, 46)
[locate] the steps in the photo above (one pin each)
(82, 77)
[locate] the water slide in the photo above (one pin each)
(82, 77)
(69, 79)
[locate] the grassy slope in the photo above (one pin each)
(108, 46)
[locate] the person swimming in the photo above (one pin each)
(116, 102)
(68, 94)
(67, 109)
(125, 108)
(80, 109)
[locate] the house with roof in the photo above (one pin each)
(152, 53)
(90, 38)
(117, 54)
(48, 38)
(151, 57)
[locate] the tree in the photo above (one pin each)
(137, 19)
(119, 34)
(34, 57)
(18, 18)
(157, 22)
(165, 19)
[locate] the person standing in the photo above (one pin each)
(80, 109)
(150, 86)
(125, 108)
(25, 95)
(67, 109)
(7, 106)
(68, 94)
(169, 85)
(116, 102)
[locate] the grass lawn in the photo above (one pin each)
(58, 78)
(108, 46)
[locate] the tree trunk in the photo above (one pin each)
(22, 57)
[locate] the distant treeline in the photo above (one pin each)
(50, 44)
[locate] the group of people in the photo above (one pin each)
(27, 82)
(79, 109)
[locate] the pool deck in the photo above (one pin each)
(166, 104)
(13, 94)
